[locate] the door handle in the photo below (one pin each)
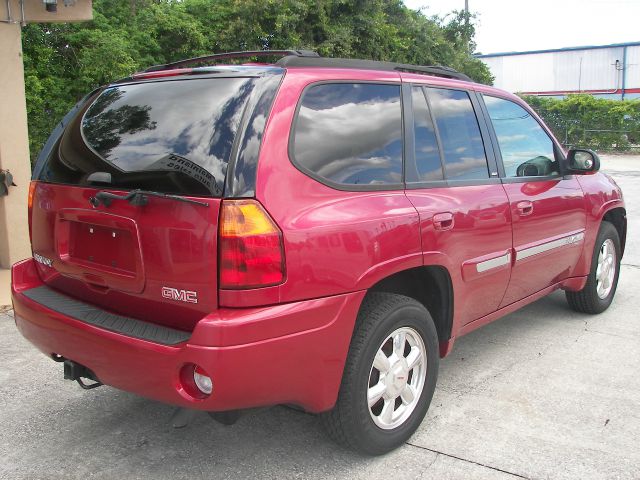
(524, 208)
(443, 221)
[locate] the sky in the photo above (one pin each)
(519, 25)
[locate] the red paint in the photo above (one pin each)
(291, 353)
(482, 229)
(287, 343)
(544, 223)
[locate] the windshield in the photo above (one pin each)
(170, 136)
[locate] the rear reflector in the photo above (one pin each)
(251, 246)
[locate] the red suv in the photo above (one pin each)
(314, 232)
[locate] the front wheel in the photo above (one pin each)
(598, 292)
(389, 376)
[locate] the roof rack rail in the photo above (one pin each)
(221, 56)
(317, 61)
(437, 70)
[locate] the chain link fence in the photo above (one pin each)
(589, 122)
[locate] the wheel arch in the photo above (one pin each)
(431, 286)
(617, 216)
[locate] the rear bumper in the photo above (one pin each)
(292, 353)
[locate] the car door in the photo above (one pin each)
(452, 181)
(547, 208)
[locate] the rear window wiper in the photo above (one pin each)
(138, 197)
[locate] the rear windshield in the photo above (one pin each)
(169, 136)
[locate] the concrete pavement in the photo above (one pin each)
(542, 393)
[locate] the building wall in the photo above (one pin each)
(14, 144)
(595, 70)
(14, 148)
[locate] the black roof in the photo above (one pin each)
(309, 58)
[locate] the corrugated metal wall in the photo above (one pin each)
(592, 70)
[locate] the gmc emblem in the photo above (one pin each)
(187, 296)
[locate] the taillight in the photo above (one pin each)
(250, 245)
(32, 192)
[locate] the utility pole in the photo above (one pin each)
(466, 22)
(466, 13)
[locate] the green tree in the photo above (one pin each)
(63, 62)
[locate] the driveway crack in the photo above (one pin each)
(517, 475)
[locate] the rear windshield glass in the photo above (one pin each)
(169, 136)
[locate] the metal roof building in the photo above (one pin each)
(610, 71)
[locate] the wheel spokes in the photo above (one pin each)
(397, 378)
(386, 415)
(414, 358)
(381, 362)
(407, 395)
(375, 393)
(606, 269)
(399, 341)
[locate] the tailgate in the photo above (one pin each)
(155, 262)
(150, 256)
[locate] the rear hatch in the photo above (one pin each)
(127, 196)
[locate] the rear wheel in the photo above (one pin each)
(389, 376)
(598, 292)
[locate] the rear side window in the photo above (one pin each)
(171, 136)
(350, 133)
(427, 152)
(464, 154)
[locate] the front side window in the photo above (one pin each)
(350, 133)
(464, 154)
(527, 150)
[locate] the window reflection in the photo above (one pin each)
(172, 136)
(351, 133)
(426, 146)
(246, 162)
(464, 153)
(526, 148)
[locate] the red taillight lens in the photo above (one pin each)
(250, 246)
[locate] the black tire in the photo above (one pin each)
(350, 423)
(587, 300)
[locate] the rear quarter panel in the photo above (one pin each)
(335, 241)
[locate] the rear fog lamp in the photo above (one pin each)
(202, 380)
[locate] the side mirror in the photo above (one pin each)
(582, 160)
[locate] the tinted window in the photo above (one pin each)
(426, 146)
(457, 124)
(172, 136)
(526, 148)
(350, 133)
